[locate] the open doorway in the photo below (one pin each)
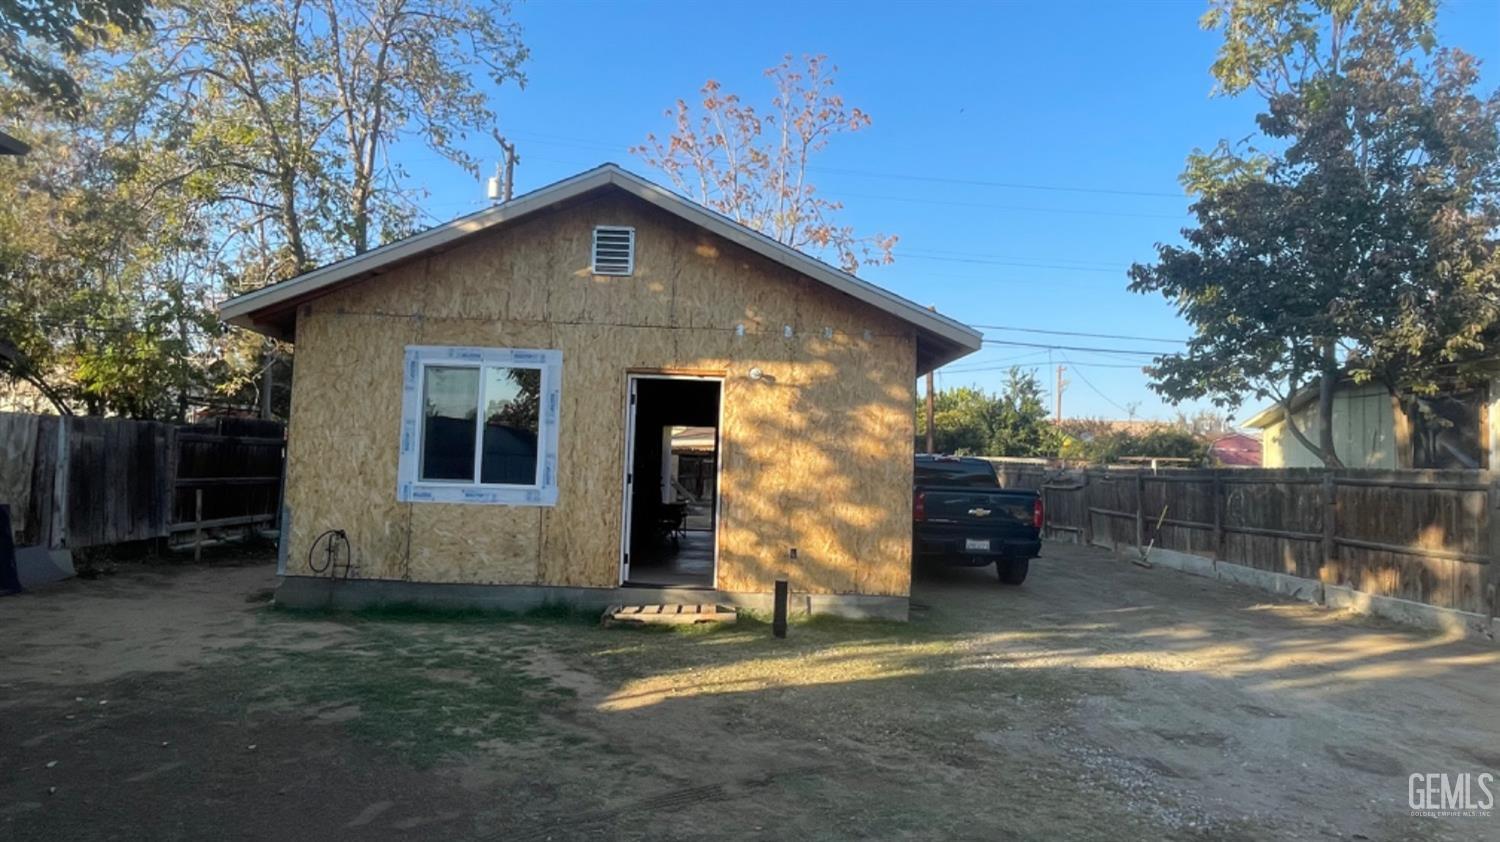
(671, 481)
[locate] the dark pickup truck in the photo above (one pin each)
(963, 517)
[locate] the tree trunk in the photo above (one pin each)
(1327, 389)
(1401, 431)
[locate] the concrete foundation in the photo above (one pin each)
(1476, 626)
(355, 594)
(1412, 613)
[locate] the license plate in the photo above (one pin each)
(976, 545)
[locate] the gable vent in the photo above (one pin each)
(614, 250)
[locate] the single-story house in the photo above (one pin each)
(1235, 450)
(479, 411)
(1455, 429)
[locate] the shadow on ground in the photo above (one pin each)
(1099, 700)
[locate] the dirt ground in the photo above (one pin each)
(1098, 701)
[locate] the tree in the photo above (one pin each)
(1101, 441)
(1361, 241)
(1019, 426)
(960, 421)
(37, 35)
(277, 116)
(95, 293)
(752, 166)
(281, 113)
(232, 144)
(1205, 423)
(970, 421)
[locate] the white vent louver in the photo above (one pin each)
(614, 250)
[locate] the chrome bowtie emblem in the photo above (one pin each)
(979, 512)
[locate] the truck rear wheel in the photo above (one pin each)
(1012, 570)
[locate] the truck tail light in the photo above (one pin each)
(919, 506)
(1037, 518)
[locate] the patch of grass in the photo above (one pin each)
(562, 612)
(426, 698)
(410, 612)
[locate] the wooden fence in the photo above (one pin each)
(85, 482)
(1426, 536)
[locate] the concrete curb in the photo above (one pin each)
(1411, 613)
(1337, 597)
(355, 594)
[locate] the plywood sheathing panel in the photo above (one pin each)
(450, 542)
(816, 453)
(343, 438)
(486, 545)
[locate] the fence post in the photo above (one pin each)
(1140, 508)
(1088, 517)
(198, 525)
(1218, 494)
(1492, 570)
(1330, 549)
(60, 536)
(10, 580)
(169, 487)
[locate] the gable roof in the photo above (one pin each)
(269, 309)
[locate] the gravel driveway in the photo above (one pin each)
(1098, 701)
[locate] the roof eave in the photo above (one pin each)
(1266, 417)
(945, 339)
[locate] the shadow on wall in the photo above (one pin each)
(807, 468)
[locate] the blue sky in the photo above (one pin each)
(1099, 102)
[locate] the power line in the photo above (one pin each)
(941, 252)
(1018, 208)
(1132, 366)
(1008, 185)
(908, 256)
(1096, 391)
(1078, 348)
(991, 365)
(588, 143)
(1036, 364)
(1078, 333)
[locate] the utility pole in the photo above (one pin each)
(931, 407)
(1061, 384)
(502, 187)
(931, 411)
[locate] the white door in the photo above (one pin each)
(629, 479)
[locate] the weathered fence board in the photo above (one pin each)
(1426, 536)
(87, 481)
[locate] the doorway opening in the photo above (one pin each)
(671, 481)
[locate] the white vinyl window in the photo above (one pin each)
(479, 425)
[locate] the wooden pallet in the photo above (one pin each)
(675, 614)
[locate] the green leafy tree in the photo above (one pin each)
(961, 420)
(1101, 442)
(1360, 241)
(1018, 422)
(37, 36)
(970, 421)
(231, 144)
(96, 292)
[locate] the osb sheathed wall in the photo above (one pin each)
(816, 453)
